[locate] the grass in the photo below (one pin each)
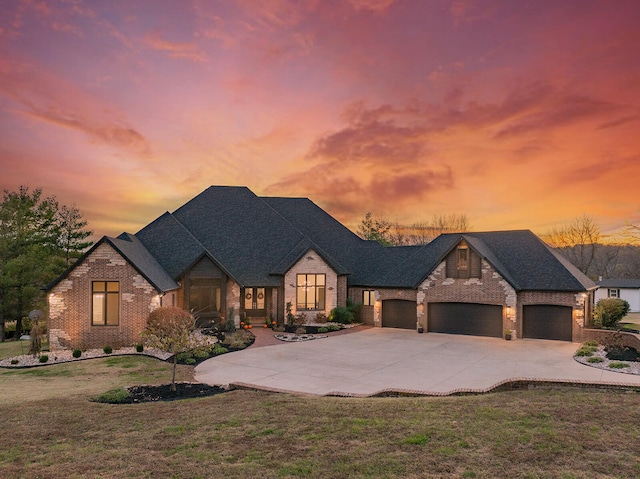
(52, 429)
(9, 349)
(631, 321)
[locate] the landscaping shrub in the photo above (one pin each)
(238, 340)
(107, 349)
(321, 318)
(323, 330)
(617, 353)
(184, 356)
(114, 396)
(609, 311)
(595, 359)
(342, 315)
(139, 348)
(229, 324)
(584, 352)
(333, 327)
(76, 353)
(618, 365)
(591, 342)
(44, 358)
(300, 331)
(201, 354)
(14, 361)
(219, 349)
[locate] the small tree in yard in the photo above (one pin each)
(171, 329)
(608, 312)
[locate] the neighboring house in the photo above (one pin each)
(627, 289)
(228, 252)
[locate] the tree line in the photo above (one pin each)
(580, 241)
(387, 233)
(39, 240)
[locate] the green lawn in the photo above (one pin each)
(14, 348)
(51, 429)
(631, 321)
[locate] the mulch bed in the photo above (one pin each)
(140, 394)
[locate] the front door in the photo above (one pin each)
(255, 302)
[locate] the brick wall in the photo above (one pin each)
(576, 301)
(389, 293)
(604, 336)
(70, 304)
(490, 288)
(312, 263)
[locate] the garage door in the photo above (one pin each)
(547, 321)
(399, 313)
(465, 318)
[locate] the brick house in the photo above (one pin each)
(228, 253)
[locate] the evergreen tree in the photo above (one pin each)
(37, 241)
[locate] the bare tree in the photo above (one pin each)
(632, 233)
(425, 232)
(579, 242)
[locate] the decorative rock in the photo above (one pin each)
(294, 338)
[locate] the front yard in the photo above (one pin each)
(52, 429)
(631, 321)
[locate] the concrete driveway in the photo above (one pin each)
(377, 360)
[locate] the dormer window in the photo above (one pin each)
(463, 263)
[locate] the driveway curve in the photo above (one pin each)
(377, 360)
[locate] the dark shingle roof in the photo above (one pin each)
(171, 244)
(132, 250)
(619, 283)
(241, 233)
(528, 263)
(140, 258)
(255, 239)
(520, 257)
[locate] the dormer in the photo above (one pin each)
(463, 262)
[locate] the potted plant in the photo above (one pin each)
(420, 328)
(507, 334)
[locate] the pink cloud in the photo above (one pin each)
(186, 51)
(41, 95)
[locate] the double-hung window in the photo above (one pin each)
(614, 293)
(368, 297)
(310, 291)
(105, 303)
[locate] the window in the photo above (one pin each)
(105, 304)
(310, 291)
(204, 295)
(614, 293)
(368, 297)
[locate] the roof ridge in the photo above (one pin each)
(205, 249)
(304, 236)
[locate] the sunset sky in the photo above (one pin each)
(519, 114)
